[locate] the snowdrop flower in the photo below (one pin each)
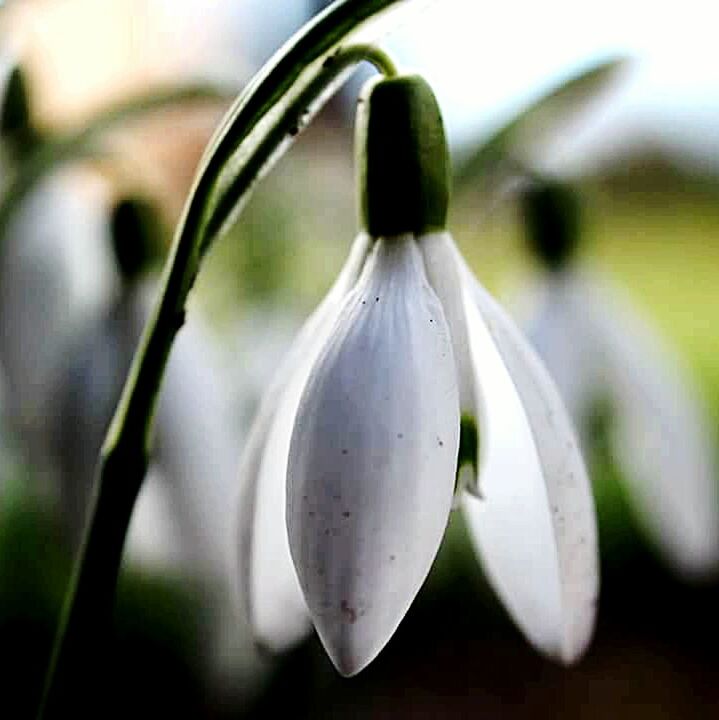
(50, 274)
(196, 477)
(599, 348)
(350, 470)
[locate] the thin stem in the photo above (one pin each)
(371, 54)
(290, 124)
(125, 453)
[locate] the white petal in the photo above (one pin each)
(269, 585)
(535, 526)
(660, 434)
(444, 275)
(373, 456)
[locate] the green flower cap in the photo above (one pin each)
(15, 121)
(402, 158)
(552, 218)
(136, 231)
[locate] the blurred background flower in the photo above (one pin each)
(641, 148)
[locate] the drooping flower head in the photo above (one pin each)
(351, 469)
(602, 352)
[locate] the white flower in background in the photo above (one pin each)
(349, 473)
(51, 270)
(193, 443)
(180, 525)
(599, 348)
(51, 278)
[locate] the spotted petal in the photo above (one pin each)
(372, 459)
(268, 581)
(534, 527)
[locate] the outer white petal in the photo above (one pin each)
(535, 526)
(268, 580)
(660, 435)
(373, 456)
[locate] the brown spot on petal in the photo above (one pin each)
(349, 613)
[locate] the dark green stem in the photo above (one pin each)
(212, 202)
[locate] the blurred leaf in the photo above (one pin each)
(546, 115)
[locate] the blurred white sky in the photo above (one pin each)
(488, 59)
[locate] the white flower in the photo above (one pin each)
(363, 423)
(598, 347)
(603, 355)
(350, 470)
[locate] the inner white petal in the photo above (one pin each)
(444, 275)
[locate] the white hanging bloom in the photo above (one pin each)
(356, 447)
(600, 349)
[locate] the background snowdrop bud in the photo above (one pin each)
(402, 160)
(15, 123)
(135, 231)
(551, 216)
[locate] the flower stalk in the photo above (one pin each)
(262, 123)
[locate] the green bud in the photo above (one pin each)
(15, 122)
(136, 233)
(402, 158)
(551, 215)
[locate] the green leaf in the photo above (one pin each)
(546, 114)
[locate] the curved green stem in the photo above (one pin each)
(261, 124)
(371, 54)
